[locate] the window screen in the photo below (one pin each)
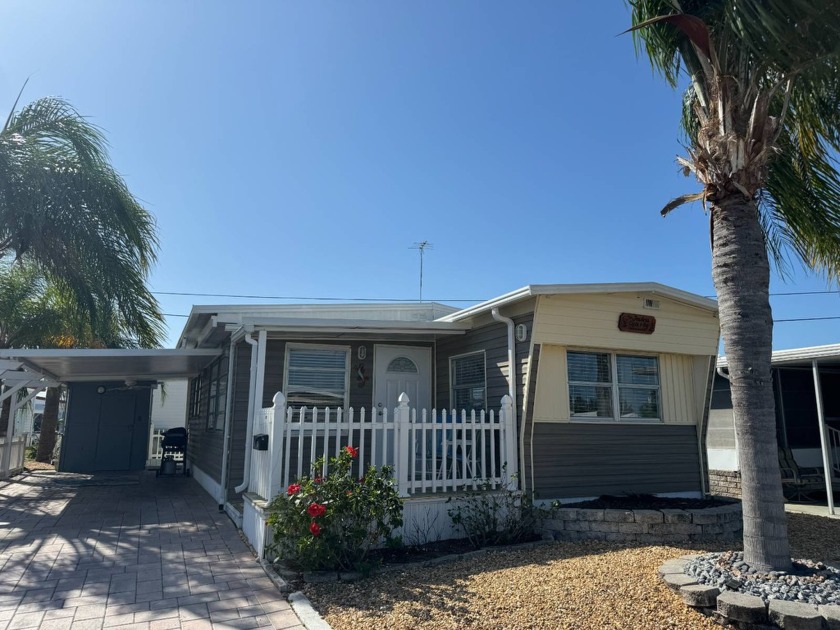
(316, 377)
(469, 387)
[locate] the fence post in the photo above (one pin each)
(275, 445)
(403, 426)
(511, 459)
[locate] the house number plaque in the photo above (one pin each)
(642, 324)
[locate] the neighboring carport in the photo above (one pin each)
(108, 407)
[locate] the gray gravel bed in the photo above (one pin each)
(808, 581)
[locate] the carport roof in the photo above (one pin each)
(113, 365)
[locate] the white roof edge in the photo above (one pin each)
(793, 355)
(367, 324)
(507, 298)
(656, 288)
(212, 309)
(100, 352)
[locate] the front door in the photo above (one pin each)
(398, 369)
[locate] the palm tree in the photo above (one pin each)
(762, 120)
(66, 212)
(65, 209)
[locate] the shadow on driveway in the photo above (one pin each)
(85, 552)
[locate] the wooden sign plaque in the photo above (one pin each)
(631, 322)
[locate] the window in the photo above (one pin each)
(601, 383)
(468, 382)
(217, 396)
(195, 397)
(316, 376)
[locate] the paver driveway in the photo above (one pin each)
(126, 552)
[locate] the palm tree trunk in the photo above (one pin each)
(49, 423)
(5, 412)
(741, 273)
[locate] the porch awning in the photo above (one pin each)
(112, 365)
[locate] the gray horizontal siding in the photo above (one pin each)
(205, 445)
(493, 340)
(238, 416)
(584, 460)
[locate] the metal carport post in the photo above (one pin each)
(826, 452)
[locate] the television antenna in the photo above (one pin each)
(422, 247)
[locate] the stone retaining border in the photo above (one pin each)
(743, 611)
(722, 524)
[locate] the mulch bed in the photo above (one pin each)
(647, 502)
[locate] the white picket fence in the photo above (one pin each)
(11, 460)
(430, 451)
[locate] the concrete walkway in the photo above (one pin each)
(127, 552)
(814, 509)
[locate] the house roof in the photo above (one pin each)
(206, 323)
(581, 289)
(112, 365)
(822, 354)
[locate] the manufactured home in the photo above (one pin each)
(566, 391)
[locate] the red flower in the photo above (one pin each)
(314, 528)
(294, 489)
(318, 479)
(315, 510)
(353, 451)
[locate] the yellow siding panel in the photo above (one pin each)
(592, 321)
(551, 401)
(682, 381)
(677, 389)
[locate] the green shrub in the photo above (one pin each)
(334, 521)
(495, 517)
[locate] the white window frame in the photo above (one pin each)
(319, 346)
(213, 407)
(615, 386)
(463, 355)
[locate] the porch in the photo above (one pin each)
(435, 454)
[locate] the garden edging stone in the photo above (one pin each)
(666, 525)
(794, 615)
(740, 610)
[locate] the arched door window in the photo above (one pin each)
(402, 365)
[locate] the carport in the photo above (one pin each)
(108, 406)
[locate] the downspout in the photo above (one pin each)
(255, 393)
(228, 423)
(511, 366)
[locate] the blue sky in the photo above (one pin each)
(301, 148)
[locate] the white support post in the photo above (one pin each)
(509, 447)
(826, 453)
(403, 426)
(6, 457)
(275, 445)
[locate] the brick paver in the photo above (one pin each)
(126, 552)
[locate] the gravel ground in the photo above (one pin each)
(565, 585)
(31, 464)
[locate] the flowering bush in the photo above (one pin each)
(332, 522)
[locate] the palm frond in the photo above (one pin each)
(66, 210)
